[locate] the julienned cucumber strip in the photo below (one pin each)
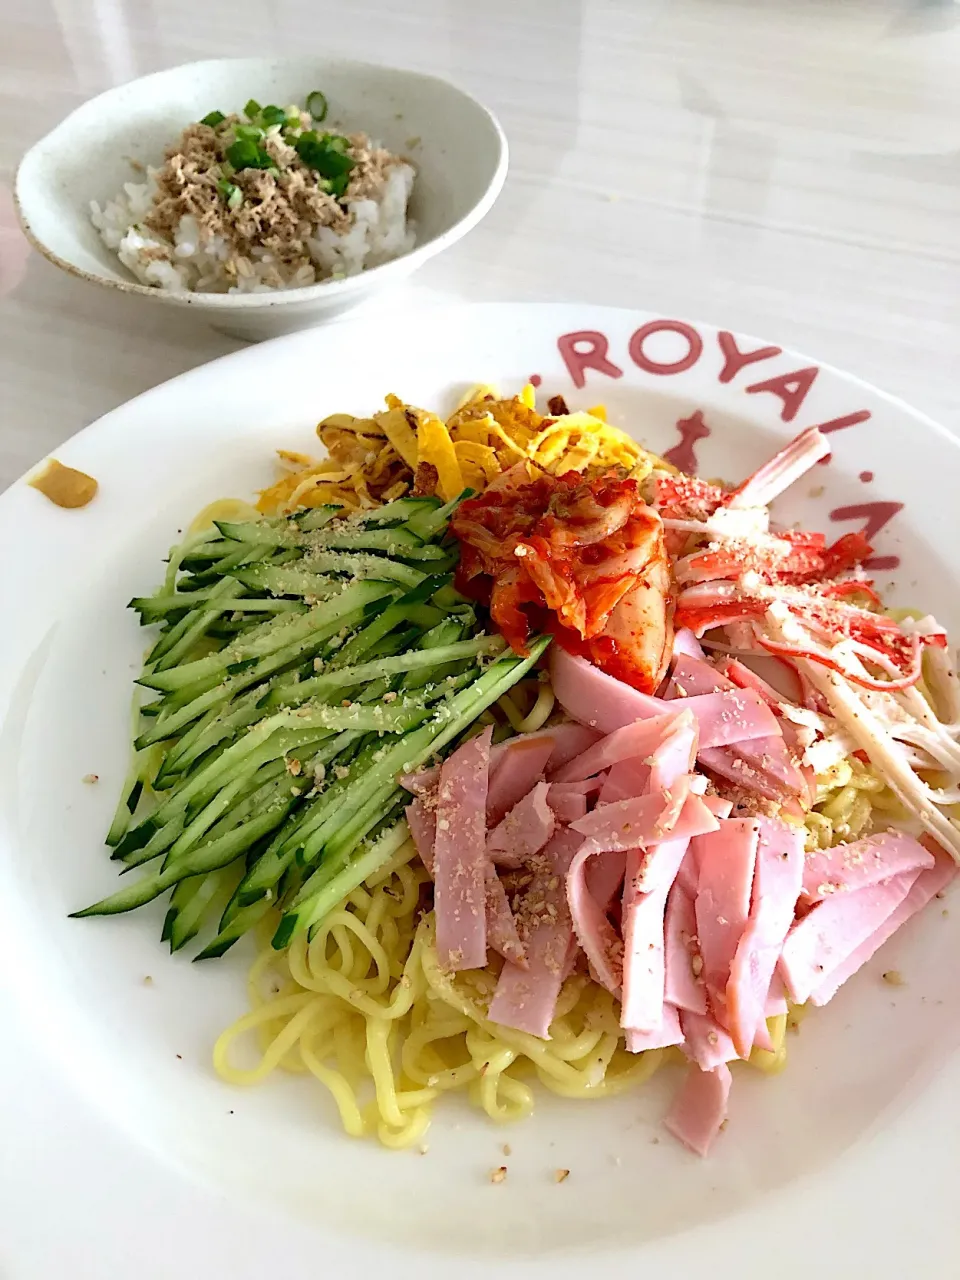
(292, 695)
(416, 748)
(247, 609)
(341, 877)
(428, 524)
(271, 636)
(208, 857)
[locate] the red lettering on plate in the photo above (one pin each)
(691, 430)
(578, 360)
(694, 346)
(875, 516)
(840, 424)
(734, 359)
(792, 389)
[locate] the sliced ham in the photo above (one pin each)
(700, 1108)
(848, 867)
(649, 878)
(705, 1042)
(675, 756)
(596, 935)
(527, 999)
(518, 768)
(524, 830)
(731, 715)
(764, 767)
(605, 875)
(834, 929)
(502, 932)
(640, 821)
(569, 800)
(927, 884)
(625, 780)
(719, 807)
(668, 1033)
(776, 888)
(595, 699)
(423, 829)
(633, 742)
(690, 676)
(460, 857)
(682, 986)
(726, 860)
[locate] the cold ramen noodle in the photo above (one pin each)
(528, 760)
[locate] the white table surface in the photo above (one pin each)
(787, 168)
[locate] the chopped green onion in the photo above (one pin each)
(327, 153)
(317, 106)
(244, 154)
(252, 109)
(249, 132)
(337, 186)
(213, 119)
(272, 115)
(232, 194)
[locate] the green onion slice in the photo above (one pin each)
(213, 118)
(249, 132)
(245, 154)
(317, 106)
(271, 115)
(252, 109)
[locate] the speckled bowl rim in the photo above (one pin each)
(279, 297)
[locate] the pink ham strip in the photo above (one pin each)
(764, 764)
(719, 807)
(848, 867)
(525, 829)
(834, 929)
(727, 860)
(624, 781)
(460, 856)
(604, 877)
(632, 742)
(776, 887)
(690, 676)
(595, 933)
(501, 926)
(564, 741)
(649, 877)
(568, 800)
(502, 932)
(644, 820)
(668, 1033)
(526, 1000)
(674, 757)
(926, 886)
(590, 696)
(767, 770)
(681, 986)
(705, 1041)
(644, 981)
(423, 828)
(700, 1108)
(520, 766)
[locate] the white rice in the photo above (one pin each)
(379, 232)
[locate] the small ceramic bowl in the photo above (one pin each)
(457, 146)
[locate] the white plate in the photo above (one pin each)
(119, 1143)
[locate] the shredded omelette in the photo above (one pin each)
(404, 450)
